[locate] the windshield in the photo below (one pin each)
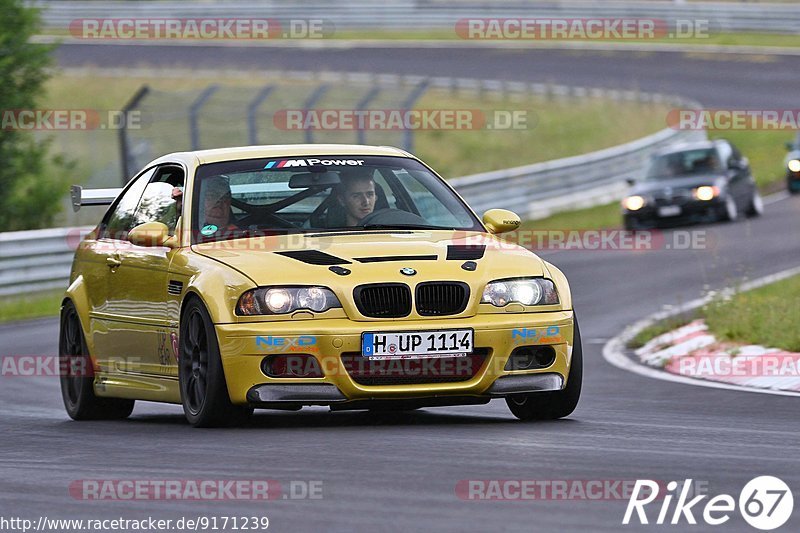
(688, 163)
(321, 194)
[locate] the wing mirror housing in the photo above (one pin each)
(152, 234)
(500, 220)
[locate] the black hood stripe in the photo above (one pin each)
(315, 257)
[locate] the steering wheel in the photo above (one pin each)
(391, 216)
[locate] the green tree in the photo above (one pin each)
(32, 182)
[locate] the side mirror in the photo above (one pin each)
(738, 164)
(630, 181)
(151, 234)
(500, 220)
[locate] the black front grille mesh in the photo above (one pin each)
(439, 298)
(383, 300)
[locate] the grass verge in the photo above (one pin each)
(31, 306)
(659, 328)
(766, 316)
(606, 216)
(449, 34)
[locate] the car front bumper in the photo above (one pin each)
(692, 211)
(793, 181)
(495, 336)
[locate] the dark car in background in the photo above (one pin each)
(792, 165)
(695, 182)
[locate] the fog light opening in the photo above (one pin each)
(295, 365)
(530, 358)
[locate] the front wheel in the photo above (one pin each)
(77, 375)
(204, 391)
(730, 211)
(756, 208)
(555, 404)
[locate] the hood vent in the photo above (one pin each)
(388, 258)
(462, 252)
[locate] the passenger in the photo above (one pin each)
(217, 206)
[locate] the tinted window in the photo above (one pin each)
(121, 219)
(160, 201)
(687, 163)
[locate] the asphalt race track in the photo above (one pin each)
(399, 472)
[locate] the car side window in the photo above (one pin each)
(162, 198)
(120, 220)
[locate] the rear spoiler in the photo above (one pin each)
(81, 196)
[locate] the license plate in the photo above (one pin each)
(417, 343)
(669, 211)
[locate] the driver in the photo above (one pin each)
(356, 194)
(217, 206)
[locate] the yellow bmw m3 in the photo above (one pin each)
(279, 277)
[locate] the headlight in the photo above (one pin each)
(282, 300)
(794, 165)
(531, 291)
(633, 203)
(706, 192)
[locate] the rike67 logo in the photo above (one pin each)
(765, 503)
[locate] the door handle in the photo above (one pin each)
(113, 261)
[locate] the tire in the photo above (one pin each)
(630, 225)
(730, 212)
(204, 391)
(756, 207)
(555, 404)
(77, 375)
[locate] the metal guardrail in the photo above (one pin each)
(37, 260)
(429, 14)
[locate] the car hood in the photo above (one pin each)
(303, 259)
(681, 182)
